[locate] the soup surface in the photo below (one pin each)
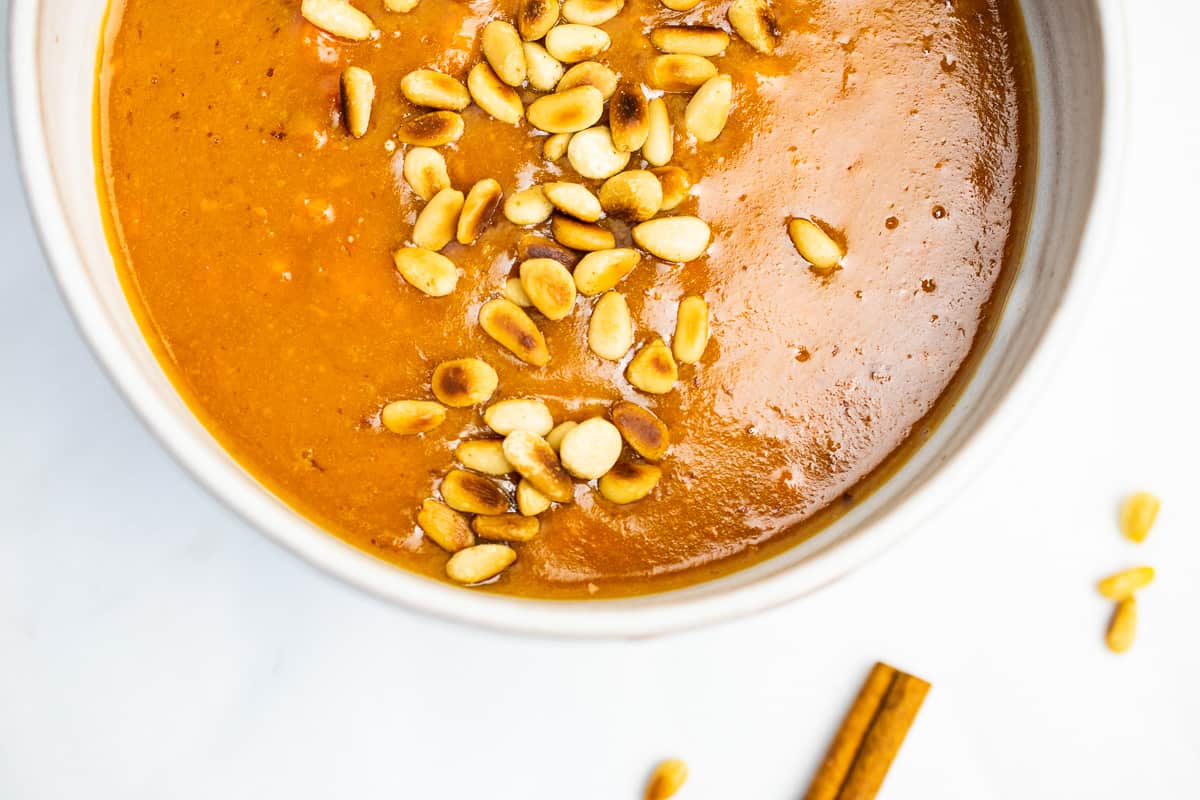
(255, 236)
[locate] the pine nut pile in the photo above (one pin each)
(543, 68)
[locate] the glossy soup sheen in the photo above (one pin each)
(254, 237)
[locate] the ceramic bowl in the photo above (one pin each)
(1079, 63)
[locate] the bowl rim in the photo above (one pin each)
(582, 619)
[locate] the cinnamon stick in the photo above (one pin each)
(871, 734)
(840, 758)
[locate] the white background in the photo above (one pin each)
(154, 646)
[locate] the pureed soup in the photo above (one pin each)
(602, 299)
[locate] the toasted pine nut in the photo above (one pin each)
(438, 221)
(425, 171)
(410, 417)
(591, 449)
(493, 95)
(815, 245)
(692, 40)
(401, 6)
(590, 73)
(549, 286)
(473, 494)
(528, 207)
(478, 210)
(533, 246)
(581, 235)
(537, 463)
(554, 438)
(676, 185)
(358, 95)
(679, 239)
(708, 110)
(629, 117)
(535, 18)
(530, 502)
(680, 73)
(464, 382)
(479, 563)
(484, 455)
(431, 130)
(574, 199)
(556, 146)
(522, 414)
(668, 776)
(507, 528)
(593, 155)
(1122, 626)
(691, 330)
(447, 528)
(516, 293)
(572, 43)
(600, 271)
(431, 272)
(755, 22)
(660, 136)
(544, 70)
(339, 18)
(591, 12)
(642, 429)
(511, 327)
(427, 87)
(568, 111)
(1123, 584)
(653, 369)
(628, 482)
(502, 49)
(1138, 513)
(681, 5)
(634, 195)
(610, 330)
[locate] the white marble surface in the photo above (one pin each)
(153, 646)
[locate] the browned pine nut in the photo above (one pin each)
(676, 72)
(431, 272)
(537, 463)
(493, 95)
(513, 330)
(438, 221)
(502, 49)
(600, 271)
(427, 87)
(629, 482)
(425, 172)
(480, 563)
(478, 209)
(507, 528)
(642, 430)
(358, 95)
(549, 286)
(410, 417)
(338, 18)
(581, 235)
(447, 528)
(464, 382)
(692, 40)
(473, 494)
(653, 369)
(431, 130)
(691, 330)
(755, 22)
(635, 195)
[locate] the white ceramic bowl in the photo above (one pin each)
(1079, 63)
